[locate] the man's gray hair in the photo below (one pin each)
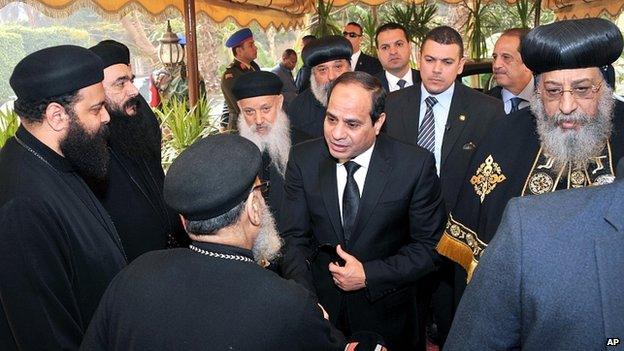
(209, 226)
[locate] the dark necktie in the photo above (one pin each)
(515, 103)
(401, 83)
(426, 132)
(350, 200)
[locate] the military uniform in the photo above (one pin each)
(233, 71)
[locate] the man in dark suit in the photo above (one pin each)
(549, 279)
(394, 50)
(514, 79)
(360, 215)
(460, 116)
(359, 60)
(450, 120)
(303, 75)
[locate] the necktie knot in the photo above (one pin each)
(351, 167)
(401, 83)
(430, 101)
(515, 103)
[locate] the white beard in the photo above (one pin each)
(570, 146)
(268, 243)
(276, 142)
(319, 90)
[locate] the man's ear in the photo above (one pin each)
(56, 116)
(379, 123)
(183, 222)
(253, 208)
(280, 101)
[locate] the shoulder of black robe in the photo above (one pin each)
(307, 114)
(510, 148)
(59, 251)
(249, 308)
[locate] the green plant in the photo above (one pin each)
(524, 9)
(8, 125)
(182, 126)
(476, 28)
(369, 26)
(325, 24)
(417, 19)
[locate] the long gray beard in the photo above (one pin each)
(267, 246)
(276, 142)
(575, 147)
(319, 90)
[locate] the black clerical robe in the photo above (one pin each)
(511, 163)
(59, 249)
(184, 300)
(134, 199)
(307, 114)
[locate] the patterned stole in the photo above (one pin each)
(543, 178)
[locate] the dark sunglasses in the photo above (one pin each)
(351, 34)
(263, 187)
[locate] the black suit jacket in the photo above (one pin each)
(384, 82)
(469, 120)
(397, 226)
(496, 92)
(368, 64)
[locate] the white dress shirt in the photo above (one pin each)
(354, 59)
(440, 116)
(525, 94)
(363, 160)
(394, 80)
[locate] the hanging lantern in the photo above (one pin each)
(170, 52)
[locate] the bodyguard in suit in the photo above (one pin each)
(450, 120)
(394, 50)
(213, 294)
(549, 279)
(515, 81)
(359, 60)
(439, 114)
(360, 216)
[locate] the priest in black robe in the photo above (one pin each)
(59, 247)
(213, 295)
(132, 192)
(570, 137)
(329, 57)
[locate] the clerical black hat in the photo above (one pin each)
(55, 71)
(257, 83)
(239, 37)
(329, 48)
(112, 52)
(212, 176)
(579, 43)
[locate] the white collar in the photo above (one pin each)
(364, 158)
(393, 80)
(525, 94)
(444, 98)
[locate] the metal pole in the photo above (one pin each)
(191, 51)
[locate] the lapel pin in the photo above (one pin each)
(462, 118)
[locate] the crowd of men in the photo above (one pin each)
(361, 205)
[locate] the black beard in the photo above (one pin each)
(88, 153)
(134, 135)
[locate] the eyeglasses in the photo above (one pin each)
(581, 91)
(351, 34)
(263, 187)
